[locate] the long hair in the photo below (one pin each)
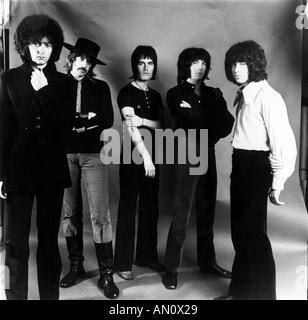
(187, 57)
(33, 29)
(78, 53)
(139, 53)
(250, 52)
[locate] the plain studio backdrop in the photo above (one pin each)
(171, 26)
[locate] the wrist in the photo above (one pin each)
(146, 157)
(143, 121)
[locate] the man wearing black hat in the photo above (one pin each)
(94, 113)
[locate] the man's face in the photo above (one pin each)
(197, 70)
(145, 68)
(240, 72)
(40, 52)
(80, 67)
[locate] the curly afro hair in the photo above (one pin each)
(250, 52)
(33, 29)
(187, 57)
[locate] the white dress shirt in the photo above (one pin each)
(262, 124)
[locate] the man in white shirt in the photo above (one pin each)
(263, 158)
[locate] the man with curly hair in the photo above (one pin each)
(34, 114)
(264, 154)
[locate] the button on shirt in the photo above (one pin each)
(262, 124)
(208, 111)
(90, 95)
(195, 117)
(146, 104)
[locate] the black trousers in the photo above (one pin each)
(134, 183)
(19, 209)
(204, 188)
(253, 271)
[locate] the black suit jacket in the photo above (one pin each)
(96, 98)
(32, 125)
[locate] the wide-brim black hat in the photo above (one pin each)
(86, 46)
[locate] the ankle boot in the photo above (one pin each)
(105, 257)
(74, 247)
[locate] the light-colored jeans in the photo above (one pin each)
(88, 169)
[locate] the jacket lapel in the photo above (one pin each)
(22, 95)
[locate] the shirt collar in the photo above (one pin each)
(252, 89)
(49, 68)
(191, 86)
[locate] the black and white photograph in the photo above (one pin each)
(153, 150)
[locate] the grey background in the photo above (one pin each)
(170, 26)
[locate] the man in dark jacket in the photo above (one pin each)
(33, 117)
(193, 105)
(94, 113)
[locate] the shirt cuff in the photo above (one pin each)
(278, 183)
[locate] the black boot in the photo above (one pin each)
(76, 272)
(74, 247)
(104, 255)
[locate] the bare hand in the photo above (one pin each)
(91, 115)
(80, 130)
(134, 121)
(38, 79)
(128, 112)
(149, 168)
(3, 195)
(274, 197)
(185, 104)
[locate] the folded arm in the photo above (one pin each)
(104, 116)
(182, 110)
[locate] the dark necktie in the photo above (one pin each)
(239, 100)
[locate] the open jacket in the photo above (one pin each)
(32, 125)
(96, 99)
